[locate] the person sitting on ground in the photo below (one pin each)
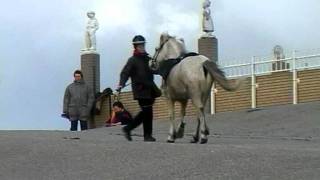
(120, 116)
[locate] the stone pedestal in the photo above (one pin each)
(280, 65)
(208, 46)
(90, 67)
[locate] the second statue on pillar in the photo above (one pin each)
(90, 33)
(207, 23)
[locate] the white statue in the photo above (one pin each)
(207, 23)
(90, 33)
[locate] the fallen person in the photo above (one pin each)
(120, 116)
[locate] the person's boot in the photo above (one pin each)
(149, 139)
(127, 134)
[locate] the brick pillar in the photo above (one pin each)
(90, 67)
(208, 46)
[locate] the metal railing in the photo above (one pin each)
(264, 65)
(295, 61)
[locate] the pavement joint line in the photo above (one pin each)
(242, 137)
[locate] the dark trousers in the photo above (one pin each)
(145, 116)
(74, 125)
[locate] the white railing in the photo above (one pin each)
(263, 65)
(295, 61)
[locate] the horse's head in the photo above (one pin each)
(169, 48)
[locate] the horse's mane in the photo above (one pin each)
(179, 42)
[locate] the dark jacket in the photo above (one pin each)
(78, 101)
(122, 116)
(143, 86)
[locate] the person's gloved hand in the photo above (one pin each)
(65, 115)
(153, 66)
(119, 88)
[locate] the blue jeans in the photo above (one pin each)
(74, 125)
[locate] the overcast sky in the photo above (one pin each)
(40, 42)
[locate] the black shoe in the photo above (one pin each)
(149, 139)
(127, 134)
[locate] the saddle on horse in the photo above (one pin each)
(166, 66)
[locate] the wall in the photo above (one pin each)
(237, 100)
(273, 89)
(309, 85)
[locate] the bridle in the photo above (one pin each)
(158, 50)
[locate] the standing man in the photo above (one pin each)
(78, 101)
(144, 89)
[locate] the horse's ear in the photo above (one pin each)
(182, 40)
(164, 37)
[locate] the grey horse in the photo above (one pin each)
(192, 78)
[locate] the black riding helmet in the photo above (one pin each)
(138, 39)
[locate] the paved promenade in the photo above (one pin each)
(281, 142)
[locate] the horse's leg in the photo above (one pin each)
(203, 123)
(204, 131)
(180, 131)
(195, 137)
(203, 127)
(172, 130)
(204, 100)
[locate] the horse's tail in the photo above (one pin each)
(218, 75)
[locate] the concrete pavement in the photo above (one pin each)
(280, 142)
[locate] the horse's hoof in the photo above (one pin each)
(194, 139)
(203, 141)
(172, 136)
(205, 132)
(170, 141)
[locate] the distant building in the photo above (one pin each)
(279, 62)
